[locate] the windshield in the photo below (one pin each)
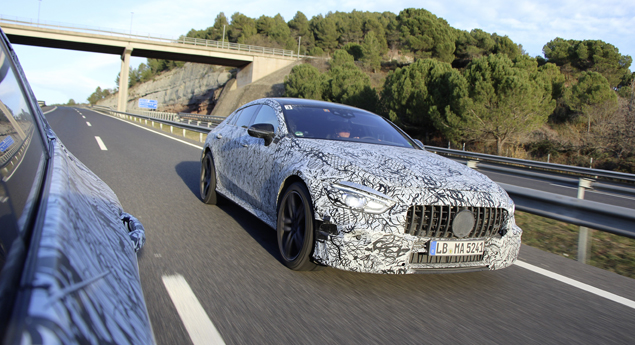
(343, 124)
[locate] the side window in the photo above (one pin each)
(246, 115)
(267, 115)
(233, 117)
(22, 156)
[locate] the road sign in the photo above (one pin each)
(147, 103)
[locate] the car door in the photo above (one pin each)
(259, 174)
(233, 153)
(220, 136)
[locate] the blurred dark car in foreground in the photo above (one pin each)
(348, 189)
(68, 262)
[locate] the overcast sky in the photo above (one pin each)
(59, 75)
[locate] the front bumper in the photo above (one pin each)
(365, 250)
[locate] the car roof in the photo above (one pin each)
(312, 103)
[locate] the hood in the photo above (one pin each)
(397, 167)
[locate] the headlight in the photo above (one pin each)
(512, 204)
(358, 197)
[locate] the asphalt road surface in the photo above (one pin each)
(211, 274)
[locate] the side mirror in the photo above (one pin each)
(418, 142)
(262, 130)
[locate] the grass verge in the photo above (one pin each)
(610, 252)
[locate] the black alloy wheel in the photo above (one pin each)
(295, 228)
(208, 180)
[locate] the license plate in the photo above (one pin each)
(455, 248)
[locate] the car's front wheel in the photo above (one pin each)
(208, 180)
(295, 228)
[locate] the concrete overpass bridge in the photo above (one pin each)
(254, 62)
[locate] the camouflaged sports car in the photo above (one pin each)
(68, 262)
(348, 189)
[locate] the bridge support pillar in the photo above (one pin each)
(123, 80)
(260, 67)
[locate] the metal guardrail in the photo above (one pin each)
(203, 118)
(551, 176)
(151, 37)
(579, 171)
(170, 119)
(599, 216)
(594, 215)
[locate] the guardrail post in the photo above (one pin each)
(200, 137)
(584, 237)
(172, 129)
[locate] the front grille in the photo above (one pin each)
(436, 221)
(424, 258)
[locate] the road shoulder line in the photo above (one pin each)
(151, 130)
(582, 286)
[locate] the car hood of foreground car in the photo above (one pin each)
(398, 167)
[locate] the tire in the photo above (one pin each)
(208, 180)
(295, 227)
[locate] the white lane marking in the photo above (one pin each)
(159, 133)
(596, 192)
(83, 117)
(611, 194)
(52, 110)
(577, 284)
(101, 144)
(88, 123)
(196, 322)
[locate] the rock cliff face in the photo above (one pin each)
(193, 88)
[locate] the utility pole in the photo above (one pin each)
(131, 14)
(631, 105)
(223, 46)
(299, 39)
(38, 12)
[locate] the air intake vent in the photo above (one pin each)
(424, 258)
(436, 221)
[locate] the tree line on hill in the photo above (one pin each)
(444, 84)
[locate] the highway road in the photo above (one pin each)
(211, 274)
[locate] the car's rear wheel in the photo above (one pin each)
(208, 180)
(295, 228)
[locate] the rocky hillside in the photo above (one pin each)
(202, 89)
(193, 88)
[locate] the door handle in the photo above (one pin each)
(219, 136)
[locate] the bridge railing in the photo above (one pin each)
(151, 37)
(235, 46)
